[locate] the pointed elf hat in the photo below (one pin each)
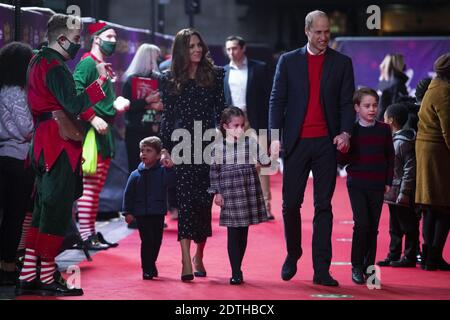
(98, 28)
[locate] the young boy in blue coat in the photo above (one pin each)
(145, 200)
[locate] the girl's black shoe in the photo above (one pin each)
(237, 279)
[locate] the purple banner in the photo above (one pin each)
(367, 54)
(6, 24)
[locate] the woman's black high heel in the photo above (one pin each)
(187, 277)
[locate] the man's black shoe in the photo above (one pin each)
(102, 239)
(358, 276)
(59, 288)
(325, 280)
(404, 262)
(385, 263)
(25, 288)
(289, 269)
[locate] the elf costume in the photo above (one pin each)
(57, 165)
(85, 73)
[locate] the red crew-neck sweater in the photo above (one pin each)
(315, 125)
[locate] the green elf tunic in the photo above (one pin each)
(85, 73)
(51, 87)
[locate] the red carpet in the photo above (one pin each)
(116, 273)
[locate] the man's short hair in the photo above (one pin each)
(239, 39)
(152, 142)
(364, 91)
(311, 16)
(59, 24)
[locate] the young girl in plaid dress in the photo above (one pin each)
(236, 185)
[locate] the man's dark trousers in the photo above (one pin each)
(318, 155)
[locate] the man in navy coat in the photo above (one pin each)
(247, 86)
(311, 103)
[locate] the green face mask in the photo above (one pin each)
(73, 49)
(107, 47)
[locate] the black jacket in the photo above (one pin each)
(258, 92)
(392, 92)
(290, 94)
(146, 190)
(404, 166)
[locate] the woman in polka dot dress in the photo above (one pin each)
(193, 97)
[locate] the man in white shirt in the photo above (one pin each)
(247, 86)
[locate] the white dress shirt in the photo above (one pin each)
(238, 84)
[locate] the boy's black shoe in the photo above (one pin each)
(289, 269)
(325, 280)
(358, 276)
(27, 288)
(102, 239)
(404, 262)
(58, 288)
(385, 263)
(147, 276)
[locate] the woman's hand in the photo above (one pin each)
(218, 200)
(166, 160)
(153, 97)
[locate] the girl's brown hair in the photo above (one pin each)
(205, 75)
(226, 116)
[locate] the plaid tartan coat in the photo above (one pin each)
(233, 174)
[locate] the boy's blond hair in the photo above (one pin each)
(364, 91)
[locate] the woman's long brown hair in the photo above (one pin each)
(205, 75)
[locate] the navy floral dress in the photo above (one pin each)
(203, 106)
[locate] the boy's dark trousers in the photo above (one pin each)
(16, 184)
(403, 221)
(366, 206)
(151, 232)
(237, 243)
